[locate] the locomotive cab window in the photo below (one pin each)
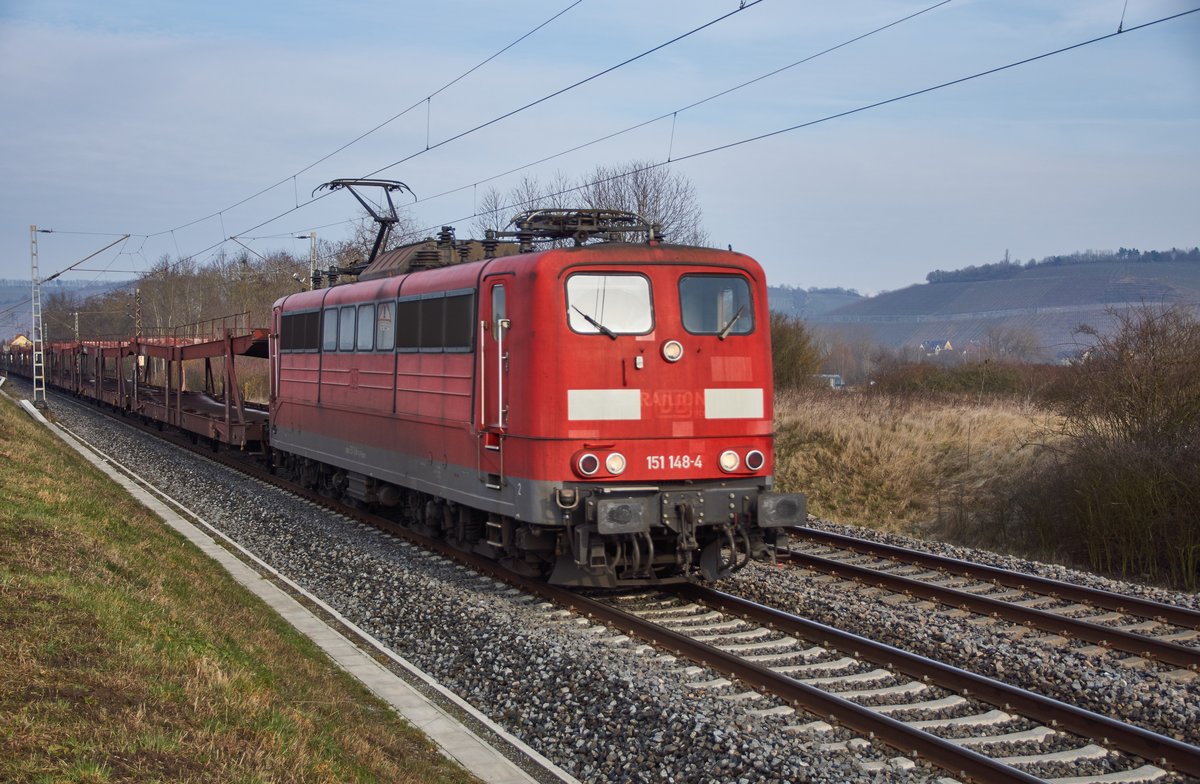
(609, 304)
(716, 305)
(499, 312)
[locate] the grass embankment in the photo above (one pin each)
(130, 656)
(907, 464)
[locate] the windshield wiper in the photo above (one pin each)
(724, 333)
(596, 324)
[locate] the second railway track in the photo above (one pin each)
(793, 659)
(1152, 630)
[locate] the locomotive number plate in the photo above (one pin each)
(660, 462)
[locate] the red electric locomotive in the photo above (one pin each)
(600, 414)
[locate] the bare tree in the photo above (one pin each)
(848, 350)
(1019, 344)
(170, 294)
(357, 248)
(654, 192)
(1140, 384)
(491, 213)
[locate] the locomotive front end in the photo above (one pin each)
(664, 366)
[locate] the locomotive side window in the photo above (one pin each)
(460, 321)
(366, 328)
(385, 335)
(346, 329)
(330, 329)
(433, 317)
(300, 331)
(716, 305)
(436, 322)
(408, 324)
(609, 304)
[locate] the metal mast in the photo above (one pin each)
(38, 337)
(39, 365)
(312, 259)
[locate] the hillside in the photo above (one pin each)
(1049, 299)
(14, 307)
(14, 299)
(810, 303)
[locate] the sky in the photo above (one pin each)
(161, 119)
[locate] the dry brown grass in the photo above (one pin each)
(129, 656)
(903, 463)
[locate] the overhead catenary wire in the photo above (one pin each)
(742, 7)
(561, 91)
(697, 154)
(747, 140)
(675, 112)
(838, 115)
(672, 114)
(943, 85)
(122, 238)
(381, 125)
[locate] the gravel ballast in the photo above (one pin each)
(599, 706)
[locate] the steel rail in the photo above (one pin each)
(1140, 742)
(954, 758)
(1132, 605)
(950, 756)
(908, 740)
(947, 755)
(1105, 636)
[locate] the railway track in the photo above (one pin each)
(761, 647)
(974, 728)
(1115, 622)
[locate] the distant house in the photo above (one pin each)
(834, 380)
(931, 348)
(20, 341)
(1072, 356)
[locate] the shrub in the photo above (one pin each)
(794, 354)
(1126, 492)
(923, 378)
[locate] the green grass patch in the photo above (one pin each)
(130, 656)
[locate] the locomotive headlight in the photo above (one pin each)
(729, 460)
(615, 463)
(755, 460)
(672, 351)
(588, 464)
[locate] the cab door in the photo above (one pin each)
(493, 389)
